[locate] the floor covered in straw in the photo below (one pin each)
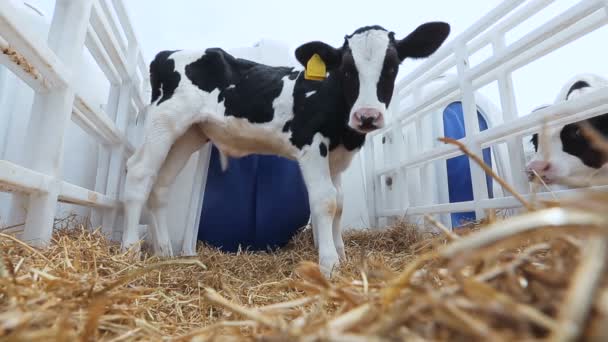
(397, 284)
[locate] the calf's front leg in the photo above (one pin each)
(337, 229)
(322, 198)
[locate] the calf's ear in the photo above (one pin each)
(330, 55)
(423, 41)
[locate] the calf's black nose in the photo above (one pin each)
(367, 122)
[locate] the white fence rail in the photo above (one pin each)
(48, 67)
(399, 197)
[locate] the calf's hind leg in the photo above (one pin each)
(143, 167)
(178, 156)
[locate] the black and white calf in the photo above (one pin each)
(571, 154)
(243, 107)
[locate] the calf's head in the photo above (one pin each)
(570, 153)
(367, 65)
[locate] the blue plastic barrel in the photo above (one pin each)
(460, 187)
(260, 202)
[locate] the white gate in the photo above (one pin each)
(410, 173)
(50, 67)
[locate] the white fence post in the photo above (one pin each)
(117, 157)
(203, 157)
(509, 113)
(471, 127)
(388, 159)
(394, 182)
(418, 197)
(401, 175)
(103, 158)
(51, 113)
(3, 103)
(370, 181)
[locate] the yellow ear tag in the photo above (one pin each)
(315, 69)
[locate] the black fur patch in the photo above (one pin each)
(423, 41)
(575, 143)
(366, 28)
(534, 141)
(287, 126)
(247, 88)
(293, 75)
(576, 86)
(163, 77)
(214, 70)
(350, 80)
(254, 92)
(386, 83)
(323, 150)
(324, 113)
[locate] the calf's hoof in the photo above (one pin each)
(133, 248)
(328, 264)
(341, 252)
(164, 250)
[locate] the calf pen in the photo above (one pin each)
(540, 274)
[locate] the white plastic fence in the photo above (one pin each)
(49, 68)
(391, 191)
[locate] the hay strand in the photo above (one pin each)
(24, 245)
(489, 171)
(579, 298)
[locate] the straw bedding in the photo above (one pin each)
(396, 284)
(538, 275)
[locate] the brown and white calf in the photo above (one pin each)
(244, 107)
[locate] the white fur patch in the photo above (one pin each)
(283, 104)
(340, 159)
(369, 50)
